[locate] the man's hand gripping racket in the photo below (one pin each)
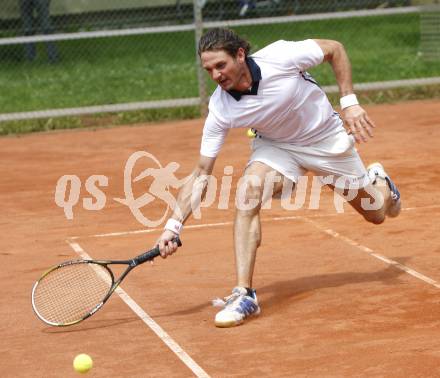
(72, 291)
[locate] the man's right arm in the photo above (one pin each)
(354, 116)
(183, 207)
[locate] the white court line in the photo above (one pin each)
(184, 357)
(378, 256)
(149, 230)
(206, 225)
(192, 226)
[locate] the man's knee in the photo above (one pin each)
(250, 190)
(249, 203)
(375, 217)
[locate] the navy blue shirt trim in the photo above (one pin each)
(255, 70)
(307, 77)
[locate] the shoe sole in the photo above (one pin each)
(234, 323)
(393, 210)
(228, 324)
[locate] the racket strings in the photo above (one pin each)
(69, 293)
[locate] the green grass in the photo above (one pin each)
(107, 71)
(162, 66)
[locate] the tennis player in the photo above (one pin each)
(297, 131)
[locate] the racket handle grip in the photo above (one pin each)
(153, 253)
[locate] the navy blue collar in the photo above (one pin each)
(255, 70)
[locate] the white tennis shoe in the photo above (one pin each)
(376, 170)
(237, 307)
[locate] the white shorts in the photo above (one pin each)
(335, 160)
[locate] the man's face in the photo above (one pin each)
(224, 69)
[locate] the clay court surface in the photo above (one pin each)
(339, 297)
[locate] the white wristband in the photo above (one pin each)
(348, 100)
(174, 226)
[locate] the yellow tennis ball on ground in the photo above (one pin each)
(82, 363)
(251, 133)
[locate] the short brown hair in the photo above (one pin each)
(222, 39)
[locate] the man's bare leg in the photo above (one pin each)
(243, 301)
(247, 226)
(376, 193)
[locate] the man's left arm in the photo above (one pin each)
(354, 116)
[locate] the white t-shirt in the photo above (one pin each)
(288, 107)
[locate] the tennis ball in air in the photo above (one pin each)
(250, 133)
(82, 363)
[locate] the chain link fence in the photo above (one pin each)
(69, 57)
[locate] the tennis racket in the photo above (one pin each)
(72, 291)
